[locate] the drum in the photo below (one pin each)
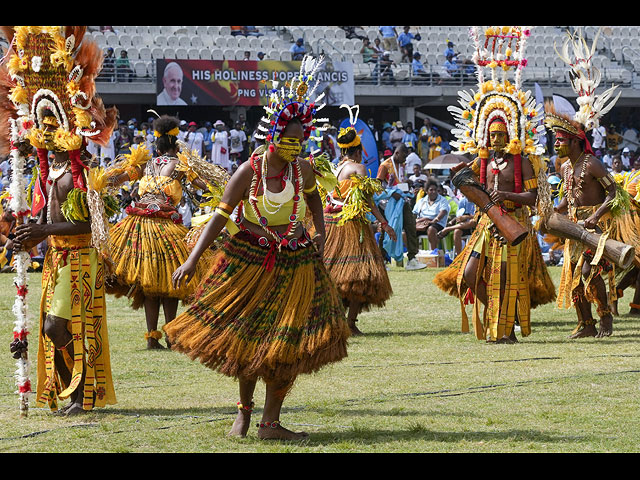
(508, 227)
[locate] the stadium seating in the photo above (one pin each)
(618, 53)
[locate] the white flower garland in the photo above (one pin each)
(19, 207)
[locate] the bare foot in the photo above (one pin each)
(355, 331)
(586, 331)
(606, 327)
(275, 431)
(153, 344)
(74, 409)
(614, 309)
(241, 424)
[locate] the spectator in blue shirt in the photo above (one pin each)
(432, 212)
(404, 41)
(450, 50)
(462, 225)
(451, 66)
(386, 136)
(389, 38)
(417, 68)
(297, 50)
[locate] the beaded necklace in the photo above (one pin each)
(569, 180)
(279, 240)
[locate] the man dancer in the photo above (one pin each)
(589, 192)
(500, 126)
(73, 348)
(591, 195)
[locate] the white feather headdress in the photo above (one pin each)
(585, 78)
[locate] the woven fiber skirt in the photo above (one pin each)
(355, 263)
(146, 251)
(255, 322)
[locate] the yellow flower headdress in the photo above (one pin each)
(501, 50)
(50, 82)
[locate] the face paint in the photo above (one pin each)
(289, 148)
(498, 141)
(561, 146)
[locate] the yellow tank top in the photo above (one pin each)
(161, 184)
(281, 217)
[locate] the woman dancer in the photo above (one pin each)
(267, 309)
(148, 245)
(351, 253)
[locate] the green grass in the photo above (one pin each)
(414, 383)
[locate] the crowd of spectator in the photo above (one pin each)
(443, 217)
(380, 52)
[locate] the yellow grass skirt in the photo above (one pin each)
(250, 322)
(527, 283)
(355, 263)
(73, 289)
(146, 251)
(624, 228)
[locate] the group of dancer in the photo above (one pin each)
(274, 281)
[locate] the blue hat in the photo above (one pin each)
(554, 180)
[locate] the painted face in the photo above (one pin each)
(289, 148)
(561, 146)
(498, 141)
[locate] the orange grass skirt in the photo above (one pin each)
(252, 323)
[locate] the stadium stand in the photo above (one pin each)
(618, 54)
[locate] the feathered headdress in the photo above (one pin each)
(48, 78)
(501, 50)
(585, 78)
(285, 104)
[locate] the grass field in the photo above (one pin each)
(414, 383)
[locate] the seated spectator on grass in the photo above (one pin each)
(461, 225)
(418, 180)
(432, 211)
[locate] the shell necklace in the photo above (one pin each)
(273, 201)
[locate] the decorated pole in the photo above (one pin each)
(20, 209)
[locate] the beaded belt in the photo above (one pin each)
(261, 241)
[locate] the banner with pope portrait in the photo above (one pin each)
(243, 82)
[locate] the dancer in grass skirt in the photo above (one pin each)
(267, 308)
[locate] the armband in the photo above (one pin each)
(221, 212)
(225, 207)
(530, 184)
(606, 181)
(133, 173)
(311, 189)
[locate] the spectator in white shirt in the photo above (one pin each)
(194, 139)
(418, 176)
(432, 212)
(413, 159)
(599, 138)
